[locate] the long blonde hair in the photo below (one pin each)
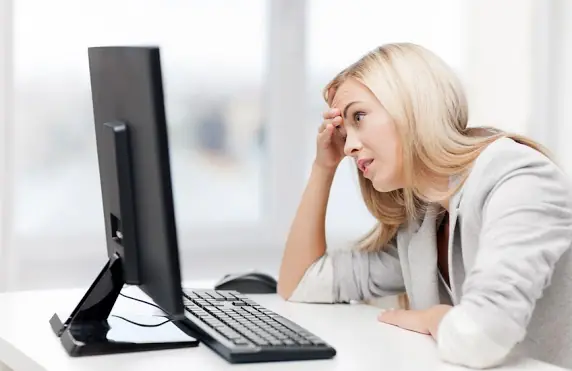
(427, 103)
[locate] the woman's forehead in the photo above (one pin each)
(350, 90)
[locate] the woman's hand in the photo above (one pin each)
(330, 144)
(423, 321)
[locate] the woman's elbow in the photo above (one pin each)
(482, 357)
(463, 342)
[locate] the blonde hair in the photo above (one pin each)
(427, 103)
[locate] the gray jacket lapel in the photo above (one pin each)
(403, 238)
(455, 259)
(418, 254)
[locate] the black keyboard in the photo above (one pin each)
(242, 331)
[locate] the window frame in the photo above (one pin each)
(7, 255)
(546, 72)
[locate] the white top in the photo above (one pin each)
(28, 344)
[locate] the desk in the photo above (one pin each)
(27, 342)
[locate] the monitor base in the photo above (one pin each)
(91, 330)
(119, 336)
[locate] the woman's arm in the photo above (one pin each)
(306, 241)
(341, 276)
(310, 274)
(307, 273)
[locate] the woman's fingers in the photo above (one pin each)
(331, 113)
(325, 137)
(336, 122)
(327, 130)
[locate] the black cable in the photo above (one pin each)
(141, 301)
(142, 324)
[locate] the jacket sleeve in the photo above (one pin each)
(343, 276)
(526, 228)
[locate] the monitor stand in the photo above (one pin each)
(91, 329)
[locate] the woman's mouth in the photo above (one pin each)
(364, 164)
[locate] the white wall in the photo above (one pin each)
(563, 77)
(497, 65)
(6, 66)
(518, 69)
(5, 79)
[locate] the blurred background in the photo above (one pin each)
(243, 82)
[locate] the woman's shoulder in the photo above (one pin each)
(505, 159)
(506, 154)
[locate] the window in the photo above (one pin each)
(228, 95)
(340, 32)
(242, 134)
(235, 114)
(214, 63)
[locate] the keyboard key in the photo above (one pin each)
(202, 313)
(227, 295)
(240, 341)
(250, 309)
(214, 295)
(260, 341)
(205, 295)
(251, 302)
(230, 333)
(190, 294)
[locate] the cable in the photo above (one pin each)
(142, 324)
(141, 301)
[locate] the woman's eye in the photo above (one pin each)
(358, 116)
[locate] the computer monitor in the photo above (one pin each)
(141, 238)
(134, 169)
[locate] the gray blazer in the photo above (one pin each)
(510, 263)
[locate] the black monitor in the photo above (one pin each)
(141, 236)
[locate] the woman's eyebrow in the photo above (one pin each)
(347, 107)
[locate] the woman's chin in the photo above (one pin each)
(382, 186)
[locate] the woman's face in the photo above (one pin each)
(370, 136)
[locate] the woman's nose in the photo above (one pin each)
(352, 145)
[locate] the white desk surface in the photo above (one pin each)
(27, 342)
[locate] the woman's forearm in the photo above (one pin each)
(306, 240)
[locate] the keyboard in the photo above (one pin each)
(242, 331)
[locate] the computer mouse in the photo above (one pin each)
(248, 283)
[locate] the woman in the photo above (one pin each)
(474, 224)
